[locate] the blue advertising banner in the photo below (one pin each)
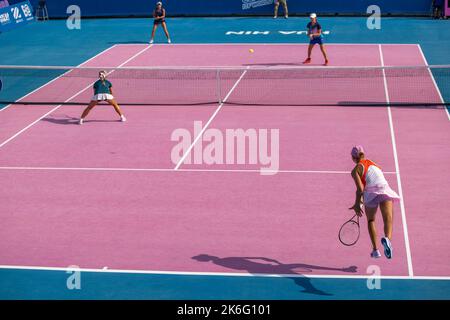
(15, 15)
(115, 8)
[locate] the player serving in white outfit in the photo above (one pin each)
(372, 186)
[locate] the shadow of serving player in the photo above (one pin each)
(261, 265)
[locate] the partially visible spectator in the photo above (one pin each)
(41, 10)
(4, 3)
(438, 9)
(277, 5)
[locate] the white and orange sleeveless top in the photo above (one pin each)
(372, 174)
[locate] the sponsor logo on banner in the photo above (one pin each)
(250, 4)
(16, 14)
(27, 11)
(4, 18)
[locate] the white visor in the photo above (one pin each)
(313, 15)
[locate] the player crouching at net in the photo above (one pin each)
(102, 92)
(159, 15)
(375, 191)
(315, 37)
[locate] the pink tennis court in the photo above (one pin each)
(108, 194)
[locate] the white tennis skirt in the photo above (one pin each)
(374, 195)
(102, 97)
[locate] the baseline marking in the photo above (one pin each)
(231, 274)
(264, 44)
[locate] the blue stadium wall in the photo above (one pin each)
(96, 8)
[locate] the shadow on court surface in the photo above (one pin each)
(72, 121)
(262, 265)
(62, 120)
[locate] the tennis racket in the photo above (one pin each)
(349, 232)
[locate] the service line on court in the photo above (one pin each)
(9, 168)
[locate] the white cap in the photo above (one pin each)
(313, 15)
(159, 3)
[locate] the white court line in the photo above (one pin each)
(266, 44)
(228, 274)
(53, 80)
(175, 171)
(258, 67)
(57, 107)
(434, 81)
(209, 121)
(397, 169)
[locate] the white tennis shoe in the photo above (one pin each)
(122, 118)
(387, 247)
(375, 254)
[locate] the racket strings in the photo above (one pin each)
(349, 233)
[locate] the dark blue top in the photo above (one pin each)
(314, 28)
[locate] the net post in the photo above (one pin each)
(219, 93)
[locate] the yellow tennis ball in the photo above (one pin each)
(251, 50)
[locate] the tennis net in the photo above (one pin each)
(276, 86)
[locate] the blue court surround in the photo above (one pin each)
(51, 43)
(34, 284)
